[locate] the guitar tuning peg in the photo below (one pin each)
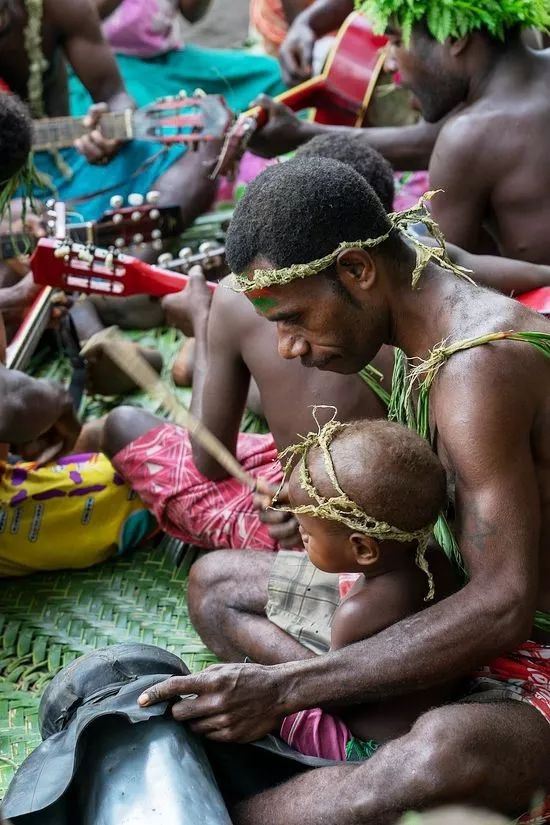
(119, 243)
(182, 94)
(62, 251)
(136, 216)
(153, 196)
(165, 259)
(117, 201)
(157, 245)
(185, 253)
(199, 93)
(154, 214)
(156, 234)
(109, 260)
(118, 218)
(50, 204)
(135, 199)
(86, 256)
(207, 247)
(137, 239)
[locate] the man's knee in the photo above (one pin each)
(123, 425)
(444, 756)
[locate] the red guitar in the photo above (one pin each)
(121, 226)
(340, 95)
(79, 268)
(537, 299)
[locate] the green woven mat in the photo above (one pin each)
(47, 621)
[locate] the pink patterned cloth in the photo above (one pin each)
(159, 466)
(145, 28)
(409, 188)
(316, 733)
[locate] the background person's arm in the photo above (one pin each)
(107, 7)
(503, 274)
(194, 10)
(296, 55)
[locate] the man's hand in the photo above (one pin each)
(296, 54)
(227, 703)
(190, 307)
(282, 133)
(282, 526)
(95, 147)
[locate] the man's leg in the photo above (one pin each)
(187, 182)
(227, 599)
(124, 425)
(496, 755)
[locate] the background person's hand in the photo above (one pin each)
(282, 133)
(296, 54)
(226, 703)
(189, 307)
(95, 147)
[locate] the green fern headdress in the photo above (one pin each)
(456, 18)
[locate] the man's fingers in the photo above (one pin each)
(94, 115)
(171, 688)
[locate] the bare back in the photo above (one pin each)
(491, 160)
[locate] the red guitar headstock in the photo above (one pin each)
(537, 299)
(183, 119)
(84, 268)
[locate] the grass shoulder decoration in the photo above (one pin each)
(457, 18)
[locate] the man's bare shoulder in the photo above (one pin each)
(232, 311)
(463, 137)
(70, 15)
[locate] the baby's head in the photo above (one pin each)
(364, 494)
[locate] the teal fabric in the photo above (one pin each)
(238, 75)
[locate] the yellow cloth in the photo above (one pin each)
(71, 514)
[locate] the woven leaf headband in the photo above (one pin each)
(400, 221)
(341, 508)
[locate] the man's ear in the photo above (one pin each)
(365, 549)
(356, 268)
(459, 45)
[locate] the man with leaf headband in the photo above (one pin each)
(485, 95)
(476, 381)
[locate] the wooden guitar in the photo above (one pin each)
(168, 120)
(80, 268)
(340, 95)
(121, 226)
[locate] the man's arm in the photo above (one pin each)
(30, 408)
(107, 7)
(498, 507)
(405, 147)
(296, 54)
(503, 274)
(87, 51)
(459, 168)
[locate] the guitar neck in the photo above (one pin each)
(25, 340)
(61, 132)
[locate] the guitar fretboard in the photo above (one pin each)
(61, 132)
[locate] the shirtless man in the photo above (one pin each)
(492, 93)
(489, 416)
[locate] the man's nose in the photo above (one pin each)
(292, 346)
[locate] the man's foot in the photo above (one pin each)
(182, 370)
(105, 378)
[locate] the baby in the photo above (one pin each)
(367, 495)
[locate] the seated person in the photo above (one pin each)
(271, 19)
(350, 484)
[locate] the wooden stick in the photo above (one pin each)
(126, 356)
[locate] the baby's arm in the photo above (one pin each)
(376, 604)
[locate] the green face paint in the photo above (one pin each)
(262, 299)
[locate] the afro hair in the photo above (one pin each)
(355, 150)
(302, 210)
(15, 136)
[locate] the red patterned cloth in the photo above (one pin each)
(523, 675)
(159, 466)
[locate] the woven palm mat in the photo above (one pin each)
(47, 621)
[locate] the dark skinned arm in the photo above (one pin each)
(193, 10)
(292, 8)
(107, 7)
(498, 508)
(406, 147)
(31, 408)
(296, 55)
(503, 274)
